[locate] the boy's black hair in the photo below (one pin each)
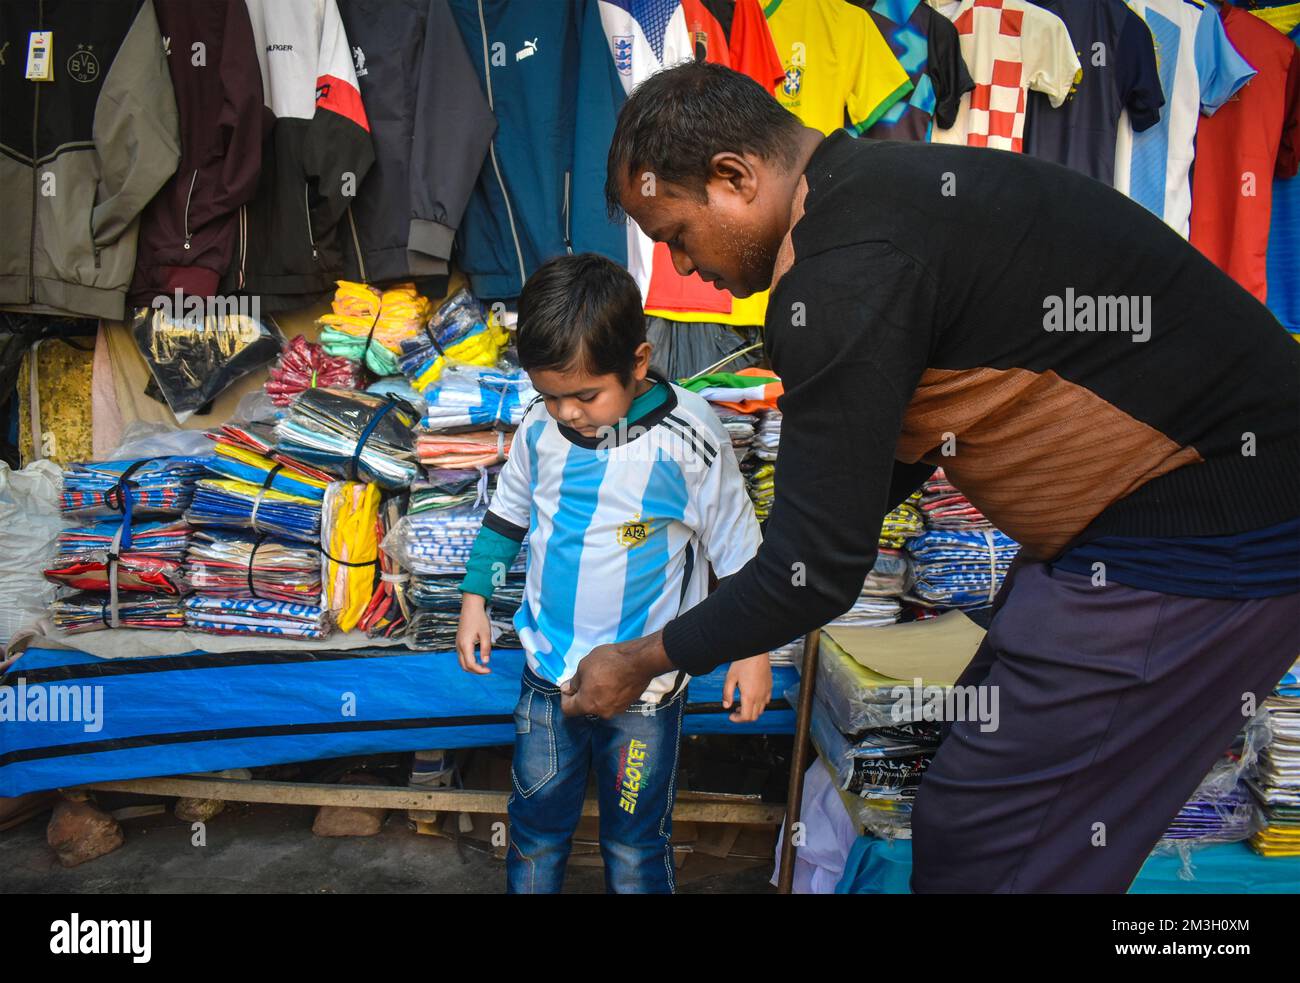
(581, 311)
(675, 121)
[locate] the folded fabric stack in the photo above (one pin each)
(251, 616)
(960, 569)
(241, 505)
(740, 428)
(165, 539)
(760, 482)
(157, 486)
(1213, 819)
(434, 624)
(438, 543)
(904, 522)
(869, 611)
(460, 331)
(478, 396)
(884, 764)
(1276, 781)
(447, 488)
(750, 390)
(944, 507)
(350, 534)
(230, 564)
(351, 435)
(306, 365)
(367, 325)
(282, 475)
(767, 437)
(92, 611)
(890, 576)
(480, 449)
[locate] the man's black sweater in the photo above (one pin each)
(940, 306)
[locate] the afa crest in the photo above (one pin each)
(634, 533)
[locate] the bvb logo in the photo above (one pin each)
(83, 65)
(634, 533)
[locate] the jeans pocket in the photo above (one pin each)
(536, 761)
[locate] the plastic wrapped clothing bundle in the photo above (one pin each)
(902, 523)
(240, 505)
(366, 324)
(480, 449)
(740, 428)
(167, 540)
(438, 543)
(137, 572)
(767, 436)
(945, 507)
(1275, 781)
(349, 538)
(306, 365)
(249, 616)
(434, 624)
(889, 769)
(352, 435)
(760, 482)
(960, 569)
(432, 631)
(228, 564)
(149, 486)
(460, 331)
(389, 611)
(870, 612)
(890, 576)
(241, 464)
(447, 488)
(195, 357)
(87, 611)
(478, 396)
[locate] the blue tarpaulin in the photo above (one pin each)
(112, 719)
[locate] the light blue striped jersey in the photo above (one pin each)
(621, 528)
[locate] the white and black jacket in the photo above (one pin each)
(314, 160)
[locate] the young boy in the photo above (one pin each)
(627, 490)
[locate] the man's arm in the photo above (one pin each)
(849, 332)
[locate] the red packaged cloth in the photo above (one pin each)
(304, 365)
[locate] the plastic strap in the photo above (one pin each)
(114, 620)
(993, 565)
(252, 556)
(433, 340)
(261, 494)
(124, 504)
(480, 490)
(349, 563)
(365, 435)
(379, 310)
(394, 578)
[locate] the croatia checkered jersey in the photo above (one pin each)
(621, 528)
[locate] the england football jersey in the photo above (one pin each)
(1199, 72)
(621, 528)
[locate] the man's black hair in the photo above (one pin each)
(581, 311)
(675, 121)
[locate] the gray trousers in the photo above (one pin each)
(1113, 703)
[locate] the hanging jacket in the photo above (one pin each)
(187, 234)
(80, 156)
(430, 124)
(548, 77)
(290, 250)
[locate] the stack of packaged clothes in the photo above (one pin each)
(355, 436)
(458, 451)
(157, 486)
(1276, 781)
(478, 396)
(960, 569)
(767, 437)
(223, 563)
(92, 611)
(447, 488)
(437, 612)
(944, 507)
(740, 428)
(437, 543)
(760, 482)
(305, 365)
(902, 523)
(250, 616)
(460, 331)
(370, 327)
(1219, 811)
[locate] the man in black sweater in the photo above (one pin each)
(1095, 386)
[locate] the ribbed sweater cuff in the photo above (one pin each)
(686, 645)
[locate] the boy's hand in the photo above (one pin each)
(473, 631)
(754, 677)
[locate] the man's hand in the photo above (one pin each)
(474, 631)
(612, 677)
(754, 677)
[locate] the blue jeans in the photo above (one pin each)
(635, 757)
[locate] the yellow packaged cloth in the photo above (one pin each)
(350, 541)
(365, 323)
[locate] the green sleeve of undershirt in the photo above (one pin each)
(490, 549)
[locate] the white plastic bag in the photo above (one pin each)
(29, 527)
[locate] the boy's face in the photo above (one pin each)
(731, 240)
(586, 402)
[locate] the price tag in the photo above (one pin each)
(40, 56)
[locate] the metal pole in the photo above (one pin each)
(799, 762)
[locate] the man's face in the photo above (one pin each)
(731, 240)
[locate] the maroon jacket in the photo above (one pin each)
(188, 232)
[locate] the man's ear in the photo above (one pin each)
(737, 172)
